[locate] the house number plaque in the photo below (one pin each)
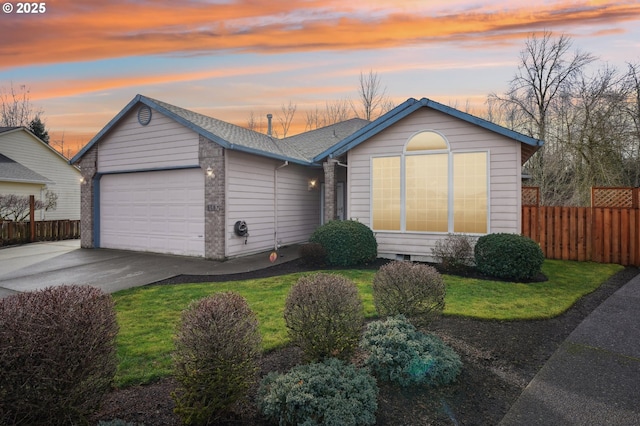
(214, 207)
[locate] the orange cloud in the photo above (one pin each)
(81, 31)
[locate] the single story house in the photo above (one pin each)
(28, 166)
(165, 179)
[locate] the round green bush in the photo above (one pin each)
(400, 354)
(411, 289)
(324, 316)
(508, 256)
(327, 393)
(57, 355)
(347, 242)
(218, 346)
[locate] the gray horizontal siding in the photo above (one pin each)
(504, 172)
(250, 196)
(163, 143)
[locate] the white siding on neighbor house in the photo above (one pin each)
(34, 154)
(22, 189)
(504, 176)
(161, 144)
(250, 195)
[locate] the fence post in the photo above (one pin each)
(32, 218)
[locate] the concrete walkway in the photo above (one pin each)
(40, 265)
(594, 376)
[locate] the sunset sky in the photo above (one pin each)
(83, 60)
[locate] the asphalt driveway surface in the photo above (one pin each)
(40, 265)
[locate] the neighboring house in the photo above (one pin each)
(28, 166)
(164, 179)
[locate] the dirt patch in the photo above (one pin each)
(499, 359)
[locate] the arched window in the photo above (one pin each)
(429, 188)
(426, 141)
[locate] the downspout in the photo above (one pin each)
(275, 203)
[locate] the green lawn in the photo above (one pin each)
(148, 316)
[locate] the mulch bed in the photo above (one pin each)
(499, 359)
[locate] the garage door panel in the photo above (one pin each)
(159, 212)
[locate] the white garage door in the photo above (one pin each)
(161, 212)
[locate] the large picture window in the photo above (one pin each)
(386, 193)
(430, 189)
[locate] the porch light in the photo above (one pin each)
(210, 172)
(313, 184)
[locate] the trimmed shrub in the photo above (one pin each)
(328, 393)
(324, 316)
(411, 289)
(454, 253)
(508, 256)
(347, 242)
(57, 354)
(400, 354)
(217, 348)
(313, 254)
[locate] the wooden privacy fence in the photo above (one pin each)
(46, 230)
(606, 232)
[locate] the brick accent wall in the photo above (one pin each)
(329, 190)
(212, 155)
(88, 168)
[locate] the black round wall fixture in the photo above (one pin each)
(240, 228)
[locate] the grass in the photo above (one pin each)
(148, 316)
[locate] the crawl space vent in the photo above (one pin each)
(144, 115)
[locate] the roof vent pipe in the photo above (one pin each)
(269, 117)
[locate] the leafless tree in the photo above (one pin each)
(546, 72)
(15, 107)
(256, 122)
(333, 112)
(633, 112)
(285, 117)
(17, 207)
(372, 97)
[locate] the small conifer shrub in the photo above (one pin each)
(398, 353)
(327, 393)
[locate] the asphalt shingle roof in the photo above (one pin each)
(312, 143)
(12, 171)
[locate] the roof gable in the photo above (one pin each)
(30, 135)
(296, 149)
(408, 107)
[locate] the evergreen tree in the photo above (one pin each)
(37, 127)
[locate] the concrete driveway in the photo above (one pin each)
(40, 265)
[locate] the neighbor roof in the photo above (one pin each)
(12, 171)
(7, 129)
(411, 105)
(298, 149)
